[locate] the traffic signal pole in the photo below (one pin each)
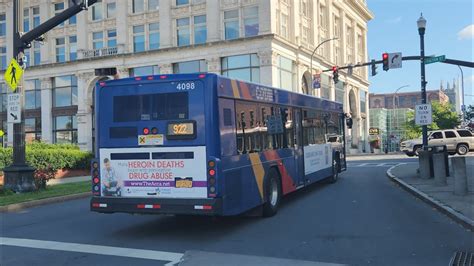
(19, 176)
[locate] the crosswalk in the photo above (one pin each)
(371, 164)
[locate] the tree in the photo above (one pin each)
(443, 118)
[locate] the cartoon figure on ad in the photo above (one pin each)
(111, 183)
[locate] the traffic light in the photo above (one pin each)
(335, 74)
(385, 61)
(374, 68)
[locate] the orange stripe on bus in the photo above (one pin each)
(245, 90)
(235, 88)
(258, 171)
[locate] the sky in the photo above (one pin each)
(449, 31)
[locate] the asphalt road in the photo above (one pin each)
(363, 219)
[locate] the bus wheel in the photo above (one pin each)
(272, 194)
(335, 171)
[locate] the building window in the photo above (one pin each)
(65, 129)
(36, 53)
(32, 129)
(154, 35)
(182, 31)
(285, 73)
(33, 94)
(153, 5)
(111, 38)
(182, 2)
(337, 34)
(363, 99)
(200, 30)
(138, 6)
(97, 40)
(190, 67)
(26, 20)
(3, 98)
(350, 44)
(251, 21)
(58, 8)
(64, 91)
(340, 92)
(111, 10)
(231, 24)
(284, 25)
(72, 48)
(325, 86)
(3, 25)
(36, 17)
(60, 50)
(242, 67)
(97, 12)
(3, 57)
(305, 8)
(138, 38)
(144, 71)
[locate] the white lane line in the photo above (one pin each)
(380, 164)
(93, 249)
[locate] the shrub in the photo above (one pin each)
(50, 156)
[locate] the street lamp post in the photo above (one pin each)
(421, 23)
(463, 107)
(394, 104)
(312, 55)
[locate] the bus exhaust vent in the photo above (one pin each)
(462, 258)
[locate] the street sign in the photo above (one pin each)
(13, 74)
(423, 114)
(14, 108)
(394, 60)
(374, 131)
(2, 133)
(316, 81)
(430, 60)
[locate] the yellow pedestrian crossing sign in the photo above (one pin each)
(13, 74)
(1, 133)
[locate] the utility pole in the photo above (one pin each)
(421, 30)
(19, 176)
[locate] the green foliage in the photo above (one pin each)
(50, 157)
(443, 118)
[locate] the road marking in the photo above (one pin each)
(381, 164)
(363, 164)
(172, 257)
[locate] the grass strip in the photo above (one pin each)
(9, 197)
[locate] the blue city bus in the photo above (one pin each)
(209, 145)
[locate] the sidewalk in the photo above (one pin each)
(66, 180)
(441, 197)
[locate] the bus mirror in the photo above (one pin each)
(349, 122)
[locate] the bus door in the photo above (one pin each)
(299, 154)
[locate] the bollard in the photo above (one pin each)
(439, 169)
(424, 162)
(460, 175)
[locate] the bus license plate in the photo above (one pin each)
(149, 140)
(184, 182)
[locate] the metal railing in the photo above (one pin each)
(98, 52)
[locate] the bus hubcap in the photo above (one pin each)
(274, 192)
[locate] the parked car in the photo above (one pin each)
(458, 141)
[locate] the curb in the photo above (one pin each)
(440, 206)
(36, 203)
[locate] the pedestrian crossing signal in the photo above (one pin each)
(13, 74)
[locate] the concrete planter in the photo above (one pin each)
(377, 151)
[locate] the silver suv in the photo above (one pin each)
(458, 141)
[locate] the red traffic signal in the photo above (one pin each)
(385, 61)
(335, 74)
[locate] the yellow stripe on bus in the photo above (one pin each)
(235, 88)
(258, 171)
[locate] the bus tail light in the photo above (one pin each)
(146, 131)
(138, 78)
(163, 77)
(149, 78)
(95, 176)
(99, 205)
(211, 178)
(148, 206)
(202, 207)
(201, 76)
(154, 131)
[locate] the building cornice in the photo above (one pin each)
(361, 9)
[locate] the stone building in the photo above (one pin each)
(266, 41)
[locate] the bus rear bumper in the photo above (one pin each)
(156, 206)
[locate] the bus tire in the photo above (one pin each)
(272, 194)
(335, 170)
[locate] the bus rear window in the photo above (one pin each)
(144, 107)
